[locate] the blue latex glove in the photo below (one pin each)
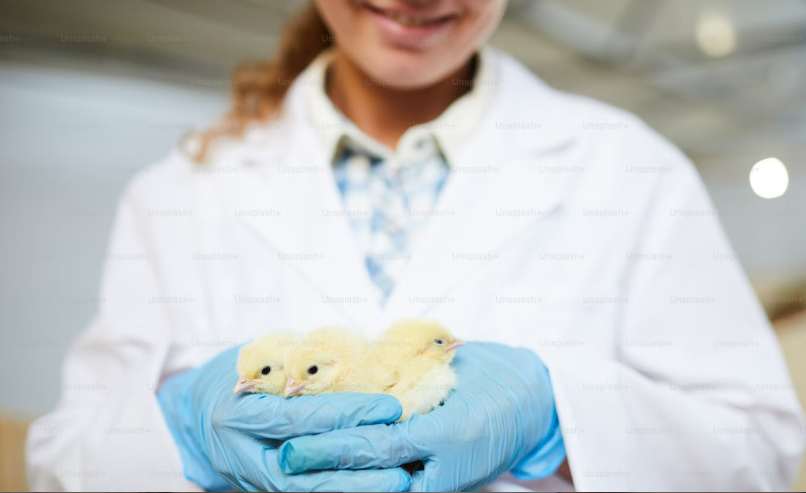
(500, 418)
(230, 440)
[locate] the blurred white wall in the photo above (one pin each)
(69, 142)
(769, 236)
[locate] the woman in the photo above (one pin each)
(384, 166)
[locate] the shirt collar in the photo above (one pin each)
(450, 130)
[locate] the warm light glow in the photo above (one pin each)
(769, 178)
(715, 34)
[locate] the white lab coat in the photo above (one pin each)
(583, 235)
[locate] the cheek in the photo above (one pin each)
(481, 18)
(341, 17)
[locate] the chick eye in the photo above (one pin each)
(266, 370)
(312, 370)
(439, 342)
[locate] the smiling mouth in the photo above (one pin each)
(409, 20)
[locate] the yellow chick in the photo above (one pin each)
(261, 363)
(419, 353)
(332, 360)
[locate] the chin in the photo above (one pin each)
(406, 70)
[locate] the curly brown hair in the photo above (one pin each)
(259, 87)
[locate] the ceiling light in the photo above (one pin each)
(715, 34)
(769, 178)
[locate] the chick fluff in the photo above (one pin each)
(418, 354)
(261, 363)
(333, 360)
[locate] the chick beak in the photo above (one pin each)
(457, 343)
(292, 387)
(243, 384)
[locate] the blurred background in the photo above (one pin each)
(92, 92)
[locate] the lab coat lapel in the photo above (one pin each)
(290, 202)
(502, 182)
(477, 216)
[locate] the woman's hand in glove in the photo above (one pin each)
(500, 418)
(230, 440)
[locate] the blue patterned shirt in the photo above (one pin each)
(388, 195)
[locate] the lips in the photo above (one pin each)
(408, 28)
(410, 19)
